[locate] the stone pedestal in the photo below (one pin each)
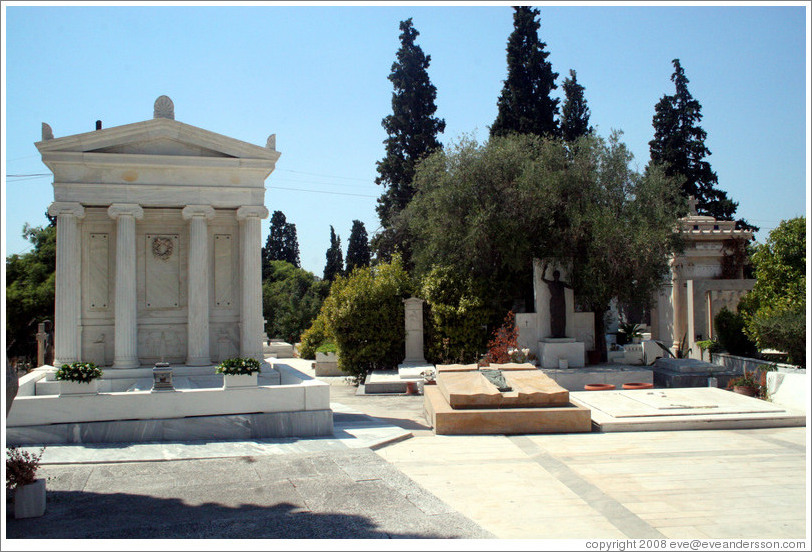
(414, 331)
(551, 350)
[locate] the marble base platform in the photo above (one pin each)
(413, 370)
(689, 372)
(552, 350)
(682, 409)
(615, 374)
(387, 381)
(196, 428)
(505, 421)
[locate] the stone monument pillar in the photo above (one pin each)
(555, 308)
(198, 352)
(414, 331)
(126, 330)
(68, 276)
(251, 328)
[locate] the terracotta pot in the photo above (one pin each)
(599, 387)
(748, 390)
(638, 385)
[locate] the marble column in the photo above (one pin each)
(251, 329)
(679, 306)
(67, 315)
(126, 329)
(198, 351)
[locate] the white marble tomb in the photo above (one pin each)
(158, 242)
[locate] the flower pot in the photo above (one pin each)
(599, 387)
(78, 388)
(638, 385)
(748, 390)
(240, 381)
(29, 500)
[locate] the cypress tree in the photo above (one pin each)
(335, 260)
(281, 245)
(412, 135)
(357, 247)
(525, 105)
(679, 145)
(574, 113)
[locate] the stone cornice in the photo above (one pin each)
(190, 211)
(246, 211)
(118, 209)
(66, 208)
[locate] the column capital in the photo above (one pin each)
(190, 211)
(246, 211)
(118, 209)
(66, 208)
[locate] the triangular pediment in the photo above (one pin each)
(161, 146)
(161, 137)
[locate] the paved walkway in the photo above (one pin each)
(674, 484)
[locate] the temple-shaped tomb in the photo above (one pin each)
(158, 259)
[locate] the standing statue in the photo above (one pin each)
(558, 305)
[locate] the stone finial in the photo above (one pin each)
(271, 143)
(164, 108)
(692, 206)
(47, 133)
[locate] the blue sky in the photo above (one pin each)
(317, 77)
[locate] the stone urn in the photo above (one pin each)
(29, 500)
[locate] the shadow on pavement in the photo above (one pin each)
(88, 515)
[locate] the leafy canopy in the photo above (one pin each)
(486, 211)
(282, 243)
(291, 299)
(358, 253)
(335, 259)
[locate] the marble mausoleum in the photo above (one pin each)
(158, 243)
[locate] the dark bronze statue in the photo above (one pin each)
(558, 305)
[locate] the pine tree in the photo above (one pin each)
(574, 113)
(281, 245)
(679, 145)
(357, 247)
(525, 105)
(335, 260)
(412, 135)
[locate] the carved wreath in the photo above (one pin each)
(162, 248)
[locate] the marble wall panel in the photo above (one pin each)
(98, 271)
(162, 269)
(223, 274)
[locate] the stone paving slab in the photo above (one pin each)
(351, 430)
(343, 494)
(682, 409)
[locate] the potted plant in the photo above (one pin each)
(745, 384)
(79, 378)
(239, 372)
(21, 479)
(327, 360)
(627, 332)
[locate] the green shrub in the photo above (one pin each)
(238, 366)
(364, 314)
(730, 333)
(783, 330)
(291, 299)
(314, 337)
(328, 347)
(81, 372)
(456, 316)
